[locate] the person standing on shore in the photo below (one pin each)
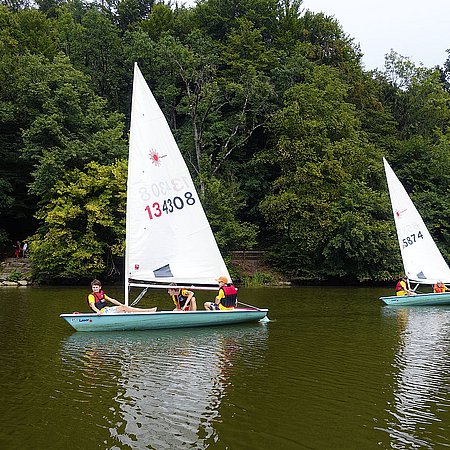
(18, 247)
(24, 249)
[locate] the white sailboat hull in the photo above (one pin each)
(429, 299)
(161, 320)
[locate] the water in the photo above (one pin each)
(334, 369)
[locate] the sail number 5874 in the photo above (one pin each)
(410, 240)
(169, 205)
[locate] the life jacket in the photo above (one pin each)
(179, 299)
(100, 302)
(230, 299)
(400, 287)
(439, 288)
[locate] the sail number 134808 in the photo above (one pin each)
(169, 205)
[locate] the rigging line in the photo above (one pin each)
(138, 298)
(250, 306)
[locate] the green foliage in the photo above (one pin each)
(14, 276)
(129, 12)
(219, 17)
(94, 46)
(416, 97)
(222, 202)
(324, 206)
(161, 20)
(26, 31)
(280, 126)
(6, 203)
(83, 223)
(71, 125)
(331, 45)
(359, 238)
(259, 279)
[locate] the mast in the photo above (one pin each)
(127, 226)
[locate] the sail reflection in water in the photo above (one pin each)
(420, 406)
(165, 387)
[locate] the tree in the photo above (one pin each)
(161, 20)
(416, 96)
(94, 46)
(130, 12)
(332, 46)
(221, 201)
(25, 35)
(325, 208)
(218, 17)
(70, 125)
(83, 224)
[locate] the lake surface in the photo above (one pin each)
(334, 369)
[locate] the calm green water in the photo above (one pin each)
(334, 369)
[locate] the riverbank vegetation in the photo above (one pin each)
(282, 129)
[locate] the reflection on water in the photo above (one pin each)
(166, 386)
(423, 373)
(335, 369)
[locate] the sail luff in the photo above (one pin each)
(127, 224)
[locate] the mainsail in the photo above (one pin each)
(168, 237)
(422, 260)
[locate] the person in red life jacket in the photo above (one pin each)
(226, 298)
(403, 288)
(183, 299)
(440, 287)
(97, 301)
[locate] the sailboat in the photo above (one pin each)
(168, 237)
(422, 261)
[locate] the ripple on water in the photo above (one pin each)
(421, 372)
(168, 386)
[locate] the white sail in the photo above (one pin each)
(422, 260)
(168, 237)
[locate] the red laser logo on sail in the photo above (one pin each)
(156, 158)
(398, 213)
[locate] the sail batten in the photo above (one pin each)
(422, 260)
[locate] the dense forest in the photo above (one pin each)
(282, 129)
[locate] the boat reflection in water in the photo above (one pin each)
(159, 389)
(421, 373)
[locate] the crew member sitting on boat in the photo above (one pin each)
(226, 298)
(403, 288)
(440, 287)
(97, 302)
(183, 299)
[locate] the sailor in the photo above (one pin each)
(226, 298)
(97, 301)
(440, 287)
(183, 299)
(402, 287)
